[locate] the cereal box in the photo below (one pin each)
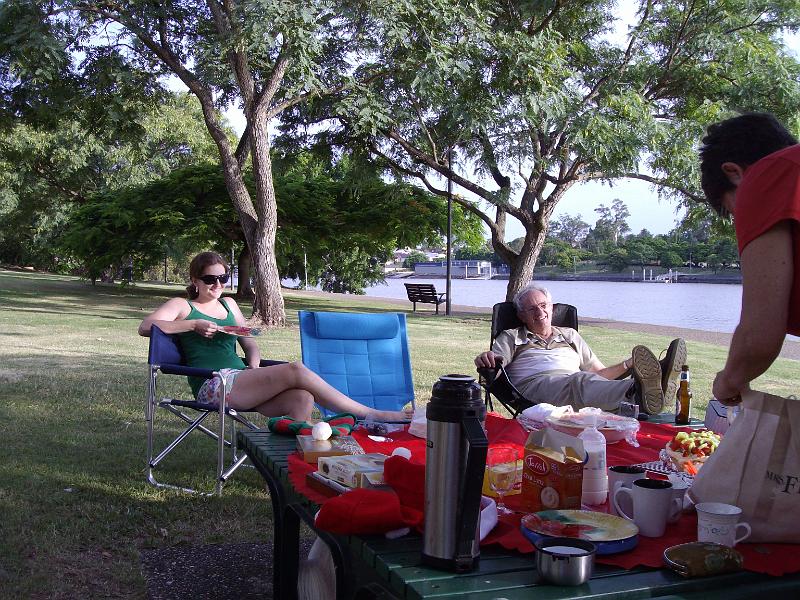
(552, 473)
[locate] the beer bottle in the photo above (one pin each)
(683, 402)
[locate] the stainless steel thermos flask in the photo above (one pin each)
(455, 460)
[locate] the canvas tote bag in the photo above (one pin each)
(757, 468)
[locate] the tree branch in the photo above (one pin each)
(490, 159)
(433, 164)
(650, 179)
(267, 93)
(546, 21)
(227, 29)
(470, 206)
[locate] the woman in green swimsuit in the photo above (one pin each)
(286, 389)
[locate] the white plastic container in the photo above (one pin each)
(595, 476)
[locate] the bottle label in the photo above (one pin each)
(595, 463)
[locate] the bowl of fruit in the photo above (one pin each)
(688, 450)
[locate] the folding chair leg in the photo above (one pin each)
(178, 440)
(239, 462)
(189, 420)
(221, 441)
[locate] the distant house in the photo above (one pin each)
(459, 269)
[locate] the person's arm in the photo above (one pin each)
(613, 371)
(170, 317)
(767, 271)
(589, 360)
(252, 353)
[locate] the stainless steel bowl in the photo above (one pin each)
(565, 561)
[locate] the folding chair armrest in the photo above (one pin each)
(488, 374)
(270, 363)
(173, 369)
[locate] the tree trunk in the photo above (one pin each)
(258, 219)
(523, 264)
(245, 290)
(268, 305)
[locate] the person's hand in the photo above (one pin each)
(486, 359)
(724, 391)
(205, 328)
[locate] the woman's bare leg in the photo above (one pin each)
(257, 387)
(294, 403)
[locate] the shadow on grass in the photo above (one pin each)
(76, 500)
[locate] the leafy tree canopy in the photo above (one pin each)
(344, 232)
(539, 96)
(46, 169)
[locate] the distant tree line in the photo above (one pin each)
(698, 242)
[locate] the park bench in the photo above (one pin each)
(425, 293)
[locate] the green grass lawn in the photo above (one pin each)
(75, 507)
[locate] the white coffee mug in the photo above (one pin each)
(653, 505)
(622, 476)
(719, 523)
(679, 489)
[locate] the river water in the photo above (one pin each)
(705, 306)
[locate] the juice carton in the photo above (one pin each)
(552, 473)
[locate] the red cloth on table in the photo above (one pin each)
(361, 512)
(772, 559)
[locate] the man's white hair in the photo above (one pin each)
(531, 287)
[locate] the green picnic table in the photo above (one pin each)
(375, 567)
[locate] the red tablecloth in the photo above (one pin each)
(773, 559)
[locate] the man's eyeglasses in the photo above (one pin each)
(542, 306)
(211, 279)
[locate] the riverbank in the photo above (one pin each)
(791, 348)
(620, 277)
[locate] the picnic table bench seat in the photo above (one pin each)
(425, 293)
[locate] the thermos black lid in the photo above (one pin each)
(455, 397)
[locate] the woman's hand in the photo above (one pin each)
(205, 328)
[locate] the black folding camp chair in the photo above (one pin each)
(495, 381)
(165, 356)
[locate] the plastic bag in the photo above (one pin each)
(419, 423)
(613, 427)
(535, 417)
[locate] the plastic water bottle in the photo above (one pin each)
(595, 476)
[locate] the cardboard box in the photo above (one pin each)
(553, 471)
(311, 450)
(361, 471)
(517, 489)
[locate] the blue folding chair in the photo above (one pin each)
(364, 356)
(165, 357)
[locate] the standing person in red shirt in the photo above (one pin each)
(750, 168)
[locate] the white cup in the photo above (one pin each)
(653, 505)
(622, 476)
(719, 523)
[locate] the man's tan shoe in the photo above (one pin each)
(647, 377)
(671, 368)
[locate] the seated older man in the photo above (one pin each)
(555, 364)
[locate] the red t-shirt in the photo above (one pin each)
(768, 194)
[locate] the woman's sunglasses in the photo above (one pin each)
(211, 279)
